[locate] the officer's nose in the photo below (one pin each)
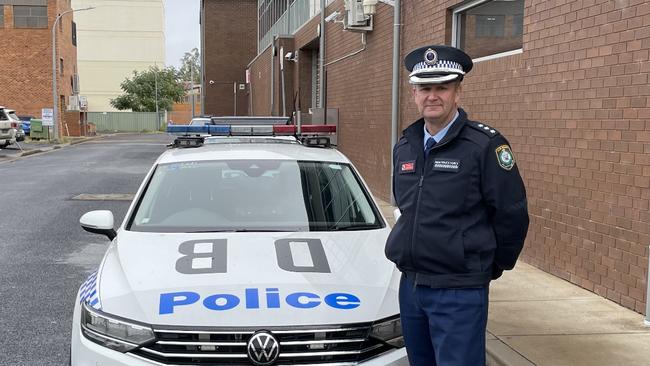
(432, 95)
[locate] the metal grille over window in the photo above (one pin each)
(347, 344)
(30, 16)
(487, 28)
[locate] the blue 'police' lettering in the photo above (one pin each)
(252, 298)
(210, 302)
(342, 301)
(294, 300)
(171, 301)
(272, 298)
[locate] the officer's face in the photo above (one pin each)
(437, 102)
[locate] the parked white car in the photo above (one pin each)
(11, 129)
(242, 250)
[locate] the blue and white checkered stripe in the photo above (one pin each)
(441, 64)
(89, 292)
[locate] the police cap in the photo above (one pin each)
(437, 64)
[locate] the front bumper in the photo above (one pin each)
(87, 353)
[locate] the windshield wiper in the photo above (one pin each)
(353, 227)
(239, 231)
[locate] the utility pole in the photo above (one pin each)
(192, 86)
(156, 88)
(55, 94)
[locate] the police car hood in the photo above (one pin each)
(249, 279)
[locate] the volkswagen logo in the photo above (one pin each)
(263, 349)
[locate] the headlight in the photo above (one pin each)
(388, 331)
(117, 334)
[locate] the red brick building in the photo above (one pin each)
(228, 44)
(26, 34)
(565, 81)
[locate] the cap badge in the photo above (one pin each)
(430, 57)
(505, 157)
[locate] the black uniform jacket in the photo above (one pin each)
(464, 212)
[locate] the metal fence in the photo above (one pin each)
(125, 121)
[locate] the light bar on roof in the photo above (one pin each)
(219, 130)
(252, 130)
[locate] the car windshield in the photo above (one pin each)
(13, 116)
(254, 195)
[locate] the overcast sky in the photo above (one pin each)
(182, 29)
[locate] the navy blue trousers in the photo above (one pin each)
(443, 326)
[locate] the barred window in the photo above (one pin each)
(489, 28)
(26, 16)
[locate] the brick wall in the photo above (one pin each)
(27, 62)
(227, 51)
(260, 86)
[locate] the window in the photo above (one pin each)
(489, 26)
(254, 195)
(30, 16)
(61, 66)
(485, 28)
(2, 16)
(74, 34)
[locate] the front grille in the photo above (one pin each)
(344, 345)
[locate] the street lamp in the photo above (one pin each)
(55, 102)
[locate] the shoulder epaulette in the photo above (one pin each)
(490, 131)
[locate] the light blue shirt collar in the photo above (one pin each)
(441, 134)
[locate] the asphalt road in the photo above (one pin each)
(44, 253)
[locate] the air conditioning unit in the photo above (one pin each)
(355, 19)
(75, 84)
(74, 103)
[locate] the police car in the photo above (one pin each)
(244, 245)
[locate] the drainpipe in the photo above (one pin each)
(321, 51)
(395, 90)
(272, 78)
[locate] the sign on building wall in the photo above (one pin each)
(47, 116)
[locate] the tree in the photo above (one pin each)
(140, 91)
(190, 60)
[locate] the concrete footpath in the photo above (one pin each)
(538, 319)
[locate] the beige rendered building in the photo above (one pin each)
(114, 39)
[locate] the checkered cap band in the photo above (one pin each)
(440, 65)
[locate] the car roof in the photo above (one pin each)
(271, 149)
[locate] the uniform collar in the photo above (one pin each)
(415, 132)
(441, 134)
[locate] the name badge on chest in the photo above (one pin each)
(446, 165)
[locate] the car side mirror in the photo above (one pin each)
(99, 222)
(396, 214)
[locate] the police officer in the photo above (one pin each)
(464, 215)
